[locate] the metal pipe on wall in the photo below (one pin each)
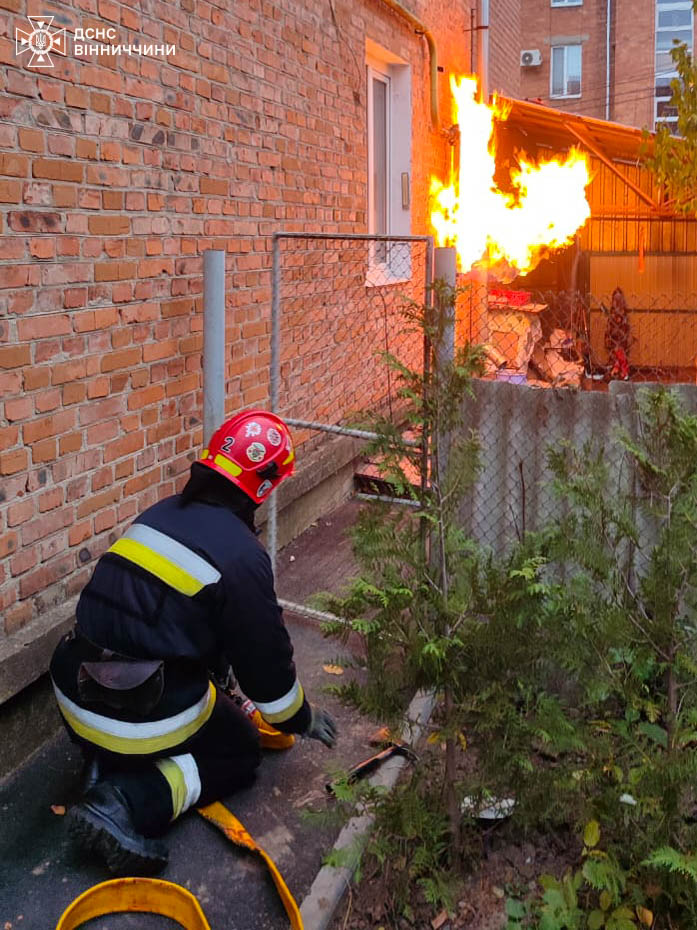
(608, 17)
(213, 341)
(433, 53)
(483, 49)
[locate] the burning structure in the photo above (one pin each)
(550, 214)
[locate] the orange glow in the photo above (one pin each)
(508, 232)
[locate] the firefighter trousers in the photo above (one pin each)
(220, 757)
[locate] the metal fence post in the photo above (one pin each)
(272, 533)
(213, 341)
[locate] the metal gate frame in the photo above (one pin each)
(275, 372)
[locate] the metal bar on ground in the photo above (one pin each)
(405, 501)
(213, 341)
(343, 430)
(322, 615)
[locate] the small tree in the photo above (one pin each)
(674, 161)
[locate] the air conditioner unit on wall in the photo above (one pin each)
(530, 57)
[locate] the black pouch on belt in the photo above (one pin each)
(133, 686)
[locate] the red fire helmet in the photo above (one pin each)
(254, 450)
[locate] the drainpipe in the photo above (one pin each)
(483, 50)
(213, 341)
(608, 16)
(420, 29)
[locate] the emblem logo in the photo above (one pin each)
(256, 451)
(41, 41)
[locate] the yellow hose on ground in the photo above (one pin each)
(151, 895)
(144, 895)
(226, 821)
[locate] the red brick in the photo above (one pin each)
(124, 358)
(125, 446)
(37, 377)
(109, 225)
(45, 576)
(57, 169)
(31, 140)
(34, 221)
(74, 297)
(104, 520)
(144, 398)
(114, 271)
(18, 276)
(13, 461)
(9, 436)
(74, 393)
(68, 371)
(15, 166)
(42, 248)
(77, 97)
(19, 409)
(43, 451)
(214, 186)
(23, 561)
(41, 327)
(79, 533)
(14, 356)
(20, 615)
(49, 426)
(8, 544)
(47, 400)
(10, 191)
(70, 443)
(112, 200)
(86, 148)
(95, 502)
(20, 512)
(50, 500)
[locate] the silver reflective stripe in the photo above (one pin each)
(124, 728)
(283, 703)
(187, 766)
(170, 549)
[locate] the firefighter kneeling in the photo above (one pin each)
(185, 595)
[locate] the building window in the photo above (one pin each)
(567, 2)
(378, 158)
(674, 23)
(566, 71)
(389, 161)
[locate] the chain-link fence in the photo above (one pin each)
(338, 307)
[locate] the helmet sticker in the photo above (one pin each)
(256, 451)
(227, 443)
(252, 429)
(263, 488)
(274, 437)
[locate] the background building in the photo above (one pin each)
(609, 59)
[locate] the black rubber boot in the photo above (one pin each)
(102, 823)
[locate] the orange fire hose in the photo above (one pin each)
(152, 895)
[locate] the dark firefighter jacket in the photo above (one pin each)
(194, 587)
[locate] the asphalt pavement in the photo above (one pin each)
(41, 872)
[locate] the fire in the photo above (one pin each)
(491, 227)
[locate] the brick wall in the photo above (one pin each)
(631, 51)
(116, 172)
(634, 63)
(504, 47)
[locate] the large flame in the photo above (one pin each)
(491, 227)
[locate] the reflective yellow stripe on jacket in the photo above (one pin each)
(167, 559)
(136, 738)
